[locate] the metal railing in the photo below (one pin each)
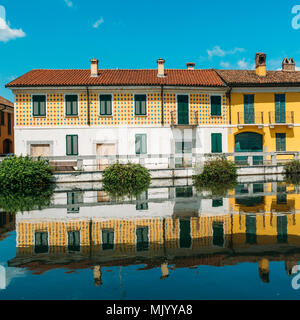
(250, 118)
(94, 163)
(192, 121)
(281, 117)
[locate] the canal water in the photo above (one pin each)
(172, 242)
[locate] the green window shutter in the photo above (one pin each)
(216, 142)
(39, 105)
(280, 116)
(249, 109)
(105, 104)
(280, 142)
(71, 105)
(217, 203)
(74, 240)
(142, 239)
(140, 104)
(72, 145)
(107, 239)
(250, 229)
(185, 239)
(141, 144)
(218, 234)
(9, 123)
(282, 224)
(216, 105)
(41, 242)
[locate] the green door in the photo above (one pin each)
(249, 142)
(183, 109)
(280, 108)
(249, 109)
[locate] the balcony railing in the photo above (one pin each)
(279, 118)
(192, 121)
(255, 118)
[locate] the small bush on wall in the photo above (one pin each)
(129, 179)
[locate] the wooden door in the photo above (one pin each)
(105, 150)
(40, 150)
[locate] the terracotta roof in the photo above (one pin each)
(242, 78)
(6, 102)
(199, 78)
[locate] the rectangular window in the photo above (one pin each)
(105, 102)
(216, 203)
(282, 224)
(218, 234)
(249, 109)
(216, 142)
(140, 144)
(71, 104)
(216, 105)
(72, 145)
(185, 239)
(142, 239)
(9, 123)
(73, 201)
(280, 142)
(41, 242)
(280, 116)
(74, 240)
(142, 201)
(39, 105)
(185, 149)
(2, 118)
(250, 229)
(140, 102)
(107, 239)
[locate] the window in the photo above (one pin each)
(185, 150)
(216, 203)
(216, 105)
(72, 145)
(142, 239)
(280, 116)
(249, 109)
(71, 105)
(74, 240)
(140, 101)
(185, 239)
(280, 142)
(141, 144)
(107, 239)
(250, 229)
(216, 142)
(282, 233)
(9, 123)
(105, 102)
(142, 201)
(184, 192)
(281, 197)
(41, 242)
(218, 234)
(73, 201)
(39, 105)
(2, 118)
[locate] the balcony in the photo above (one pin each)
(250, 119)
(185, 120)
(281, 119)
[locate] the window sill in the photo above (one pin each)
(39, 116)
(72, 116)
(216, 116)
(141, 115)
(105, 116)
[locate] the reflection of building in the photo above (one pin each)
(6, 126)
(7, 224)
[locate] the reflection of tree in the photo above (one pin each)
(216, 189)
(23, 201)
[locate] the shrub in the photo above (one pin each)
(20, 202)
(129, 179)
(218, 176)
(24, 174)
(292, 167)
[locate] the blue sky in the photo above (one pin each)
(135, 33)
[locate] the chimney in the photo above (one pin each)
(190, 66)
(288, 65)
(161, 68)
(260, 62)
(94, 68)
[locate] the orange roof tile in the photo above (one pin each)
(40, 78)
(6, 102)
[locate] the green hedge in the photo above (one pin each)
(120, 180)
(218, 176)
(24, 174)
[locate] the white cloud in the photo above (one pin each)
(218, 52)
(225, 65)
(69, 3)
(98, 23)
(243, 64)
(6, 33)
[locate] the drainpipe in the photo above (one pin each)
(88, 107)
(162, 105)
